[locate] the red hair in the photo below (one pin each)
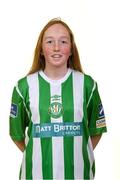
(39, 61)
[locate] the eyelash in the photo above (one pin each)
(64, 42)
(49, 42)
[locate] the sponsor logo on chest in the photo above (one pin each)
(57, 129)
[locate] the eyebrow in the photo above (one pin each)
(48, 37)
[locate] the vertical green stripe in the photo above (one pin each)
(93, 168)
(20, 172)
(68, 116)
(85, 137)
(46, 143)
(29, 150)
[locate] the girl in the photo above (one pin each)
(62, 109)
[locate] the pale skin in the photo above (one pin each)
(56, 47)
(20, 145)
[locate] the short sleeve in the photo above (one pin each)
(95, 111)
(18, 120)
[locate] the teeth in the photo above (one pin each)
(56, 56)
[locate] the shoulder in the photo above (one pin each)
(23, 82)
(89, 82)
(22, 86)
(89, 85)
(77, 74)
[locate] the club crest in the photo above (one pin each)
(55, 109)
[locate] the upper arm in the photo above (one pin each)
(95, 111)
(18, 119)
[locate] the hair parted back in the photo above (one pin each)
(39, 60)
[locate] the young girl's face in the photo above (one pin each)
(56, 46)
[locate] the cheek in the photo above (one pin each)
(66, 51)
(46, 50)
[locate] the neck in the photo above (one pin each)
(55, 73)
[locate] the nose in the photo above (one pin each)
(56, 46)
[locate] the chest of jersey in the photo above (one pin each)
(56, 102)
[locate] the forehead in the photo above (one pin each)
(57, 30)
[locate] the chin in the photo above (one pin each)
(58, 64)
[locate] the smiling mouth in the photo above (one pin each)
(56, 56)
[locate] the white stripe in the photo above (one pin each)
(23, 170)
(34, 106)
(91, 156)
(94, 86)
(78, 81)
(57, 143)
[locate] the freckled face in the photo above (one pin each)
(56, 46)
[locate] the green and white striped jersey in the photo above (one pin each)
(61, 115)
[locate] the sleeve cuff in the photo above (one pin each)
(97, 131)
(17, 138)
